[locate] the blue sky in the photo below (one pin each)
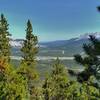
(52, 19)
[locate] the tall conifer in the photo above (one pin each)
(4, 39)
(29, 48)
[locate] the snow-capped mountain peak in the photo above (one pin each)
(19, 42)
(16, 43)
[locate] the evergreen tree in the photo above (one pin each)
(30, 46)
(59, 79)
(57, 86)
(4, 39)
(29, 50)
(91, 61)
(12, 85)
(87, 91)
(47, 90)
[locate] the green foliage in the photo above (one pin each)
(4, 39)
(88, 91)
(29, 48)
(12, 85)
(29, 74)
(37, 93)
(91, 61)
(59, 80)
(57, 86)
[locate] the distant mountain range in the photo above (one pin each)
(58, 48)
